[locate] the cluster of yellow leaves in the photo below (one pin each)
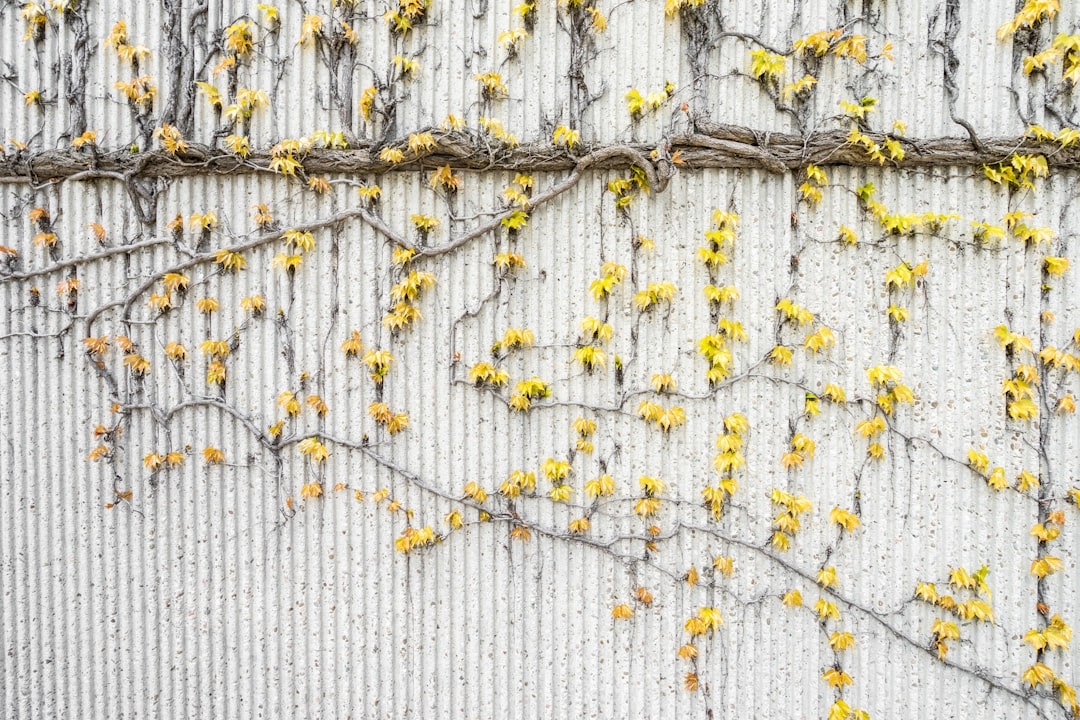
(801, 449)
(526, 391)
(766, 67)
(406, 15)
(663, 382)
(810, 189)
(727, 461)
(715, 350)
(665, 419)
(655, 293)
(495, 129)
(139, 91)
(611, 274)
(844, 518)
(706, 621)
(557, 471)
(1032, 13)
(518, 482)
(87, 138)
(408, 68)
(514, 221)
(836, 678)
(491, 85)
(786, 523)
(310, 28)
(720, 238)
(590, 357)
(297, 242)
(974, 608)
(720, 295)
(370, 195)
(510, 39)
(393, 422)
(407, 290)
(117, 39)
(213, 95)
(885, 379)
(601, 486)
(485, 373)
(213, 456)
(638, 104)
(253, 303)
(818, 43)
(1012, 342)
(518, 191)
(1055, 266)
(378, 362)
(1055, 358)
(566, 136)
(246, 102)
(903, 275)
(597, 19)
(513, 339)
(900, 223)
(821, 339)
(154, 461)
(445, 178)
(596, 330)
(1055, 636)
(671, 7)
(171, 139)
(794, 312)
(286, 155)
(475, 492)
(138, 364)
(625, 189)
(96, 347)
(238, 38)
(1041, 674)
(414, 539)
(367, 106)
(841, 710)
(1019, 172)
(648, 505)
(584, 429)
(871, 146)
(229, 261)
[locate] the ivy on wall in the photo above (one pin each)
(133, 340)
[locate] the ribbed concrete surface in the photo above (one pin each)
(220, 592)
(641, 49)
(206, 595)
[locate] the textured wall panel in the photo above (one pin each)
(227, 590)
(641, 48)
(208, 593)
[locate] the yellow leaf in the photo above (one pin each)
(827, 577)
(312, 448)
(836, 677)
(840, 641)
(847, 520)
(1038, 674)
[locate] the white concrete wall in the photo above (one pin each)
(219, 592)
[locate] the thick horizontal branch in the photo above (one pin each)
(716, 146)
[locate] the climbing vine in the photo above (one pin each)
(383, 271)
